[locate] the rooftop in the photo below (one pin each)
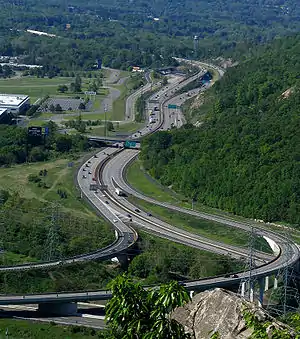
(12, 99)
(2, 111)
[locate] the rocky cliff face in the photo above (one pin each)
(219, 311)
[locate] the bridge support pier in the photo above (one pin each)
(123, 260)
(262, 285)
(243, 287)
(251, 294)
(59, 308)
(266, 283)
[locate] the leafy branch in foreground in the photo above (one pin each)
(145, 314)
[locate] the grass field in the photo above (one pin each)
(40, 87)
(141, 181)
(32, 86)
(60, 176)
(21, 329)
(209, 229)
(130, 127)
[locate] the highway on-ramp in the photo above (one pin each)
(120, 211)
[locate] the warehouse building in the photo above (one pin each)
(4, 116)
(14, 103)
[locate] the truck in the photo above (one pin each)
(119, 192)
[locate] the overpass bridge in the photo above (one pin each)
(116, 142)
(65, 302)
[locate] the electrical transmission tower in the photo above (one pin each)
(247, 284)
(284, 296)
(52, 250)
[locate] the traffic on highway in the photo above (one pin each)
(102, 175)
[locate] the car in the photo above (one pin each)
(84, 169)
(234, 276)
(84, 177)
(130, 219)
(95, 156)
(89, 162)
(115, 220)
(149, 214)
(94, 179)
(128, 215)
(90, 172)
(106, 202)
(137, 210)
(86, 165)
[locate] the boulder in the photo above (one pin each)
(220, 311)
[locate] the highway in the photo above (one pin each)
(110, 164)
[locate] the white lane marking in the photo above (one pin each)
(91, 305)
(91, 316)
(19, 307)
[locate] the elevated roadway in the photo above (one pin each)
(117, 212)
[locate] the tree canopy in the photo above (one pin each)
(245, 156)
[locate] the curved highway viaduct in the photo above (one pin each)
(116, 209)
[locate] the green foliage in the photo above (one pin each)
(109, 126)
(263, 329)
(243, 159)
(20, 329)
(134, 312)
(15, 145)
(140, 109)
(161, 260)
(26, 224)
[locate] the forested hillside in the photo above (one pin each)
(137, 32)
(245, 158)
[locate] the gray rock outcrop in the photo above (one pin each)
(219, 311)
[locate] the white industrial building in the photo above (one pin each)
(3, 115)
(14, 103)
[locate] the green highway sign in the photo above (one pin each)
(173, 106)
(130, 144)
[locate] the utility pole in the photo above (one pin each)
(105, 122)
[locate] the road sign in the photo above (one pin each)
(35, 131)
(173, 106)
(130, 144)
(45, 130)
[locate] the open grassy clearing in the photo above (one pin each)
(130, 127)
(40, 87)
(21, 329)
(147, 185)
(209, 229)
(60, 176)
(142, 181)
(32, 86)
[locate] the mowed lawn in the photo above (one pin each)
(60, 176)
(32, 86)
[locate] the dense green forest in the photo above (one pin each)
(17, 147)
(245, 157)
(123, 33)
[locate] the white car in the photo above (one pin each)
(115, 220)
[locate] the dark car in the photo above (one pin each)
(95, 156)
(106, 202)
(137, 210)
(234, 276)
(149, 214)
